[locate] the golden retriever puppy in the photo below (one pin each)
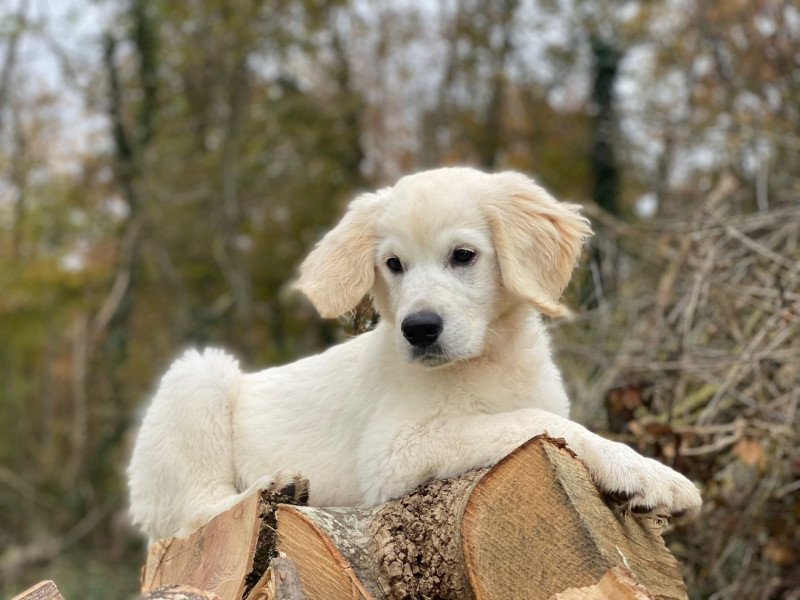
(461, 266)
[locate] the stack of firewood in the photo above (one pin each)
(533, 526)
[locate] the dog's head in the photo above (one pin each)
(444, 254)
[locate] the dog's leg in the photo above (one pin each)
(182, 468)
(447, 447)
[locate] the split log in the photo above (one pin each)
(44, 590)
(217, 557)
(618, 584)
(280, 582)
(533, 526)
(228, 556)
(179, 592)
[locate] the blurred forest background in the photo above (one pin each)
(165, 164)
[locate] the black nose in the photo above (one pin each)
(422, 329)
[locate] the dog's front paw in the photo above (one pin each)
(292, 485)
(639, 484)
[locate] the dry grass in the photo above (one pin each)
(696, 351)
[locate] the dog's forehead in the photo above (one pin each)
(421, 207)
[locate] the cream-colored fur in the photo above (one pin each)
(372, 418)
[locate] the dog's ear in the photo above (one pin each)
(537, 240)
(341, 268)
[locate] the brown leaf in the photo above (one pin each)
(780, 553)
(751, 452)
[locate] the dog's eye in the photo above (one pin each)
(394, 265)
(462, 256)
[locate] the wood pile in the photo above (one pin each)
(533, 526)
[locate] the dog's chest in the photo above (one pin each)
(489, 389)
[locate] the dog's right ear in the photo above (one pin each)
(340, 270)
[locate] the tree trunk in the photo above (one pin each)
(532, 526)
(605, 170)
(44, 590)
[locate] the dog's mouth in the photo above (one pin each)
(432, 356)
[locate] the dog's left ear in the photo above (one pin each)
(340, 270)
(537, 240)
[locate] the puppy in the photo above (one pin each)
(458, 372)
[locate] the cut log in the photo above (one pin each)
(204, 559)
(538, 517)
(179, 592)
(228, 556)
(533, 526)
(280, 582)
(618, 584)
(44, 590)
(407, 548)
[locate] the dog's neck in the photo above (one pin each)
(514, 328)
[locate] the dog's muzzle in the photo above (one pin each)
(422, 329)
